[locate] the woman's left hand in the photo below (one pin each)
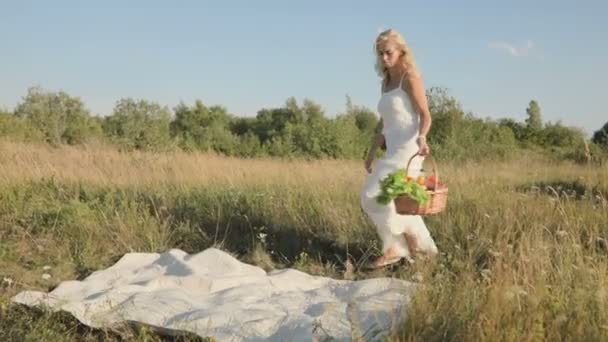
(423, 147)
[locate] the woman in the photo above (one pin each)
(404, 123)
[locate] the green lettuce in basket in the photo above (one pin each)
(397, 184)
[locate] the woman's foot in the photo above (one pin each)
(390, 257)
(383, 261)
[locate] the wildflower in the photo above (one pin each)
(7, 280)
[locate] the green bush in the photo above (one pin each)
(460, 136)
(16, 129)
(139, 125)
(61, 118)
(600, 137)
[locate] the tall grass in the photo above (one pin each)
(524, 252)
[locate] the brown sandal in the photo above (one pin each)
(383, 261)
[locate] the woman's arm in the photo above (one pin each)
(416, 89)
(377, 140)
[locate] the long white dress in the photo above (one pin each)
(400, 129)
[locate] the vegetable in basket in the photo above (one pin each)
(398, 184)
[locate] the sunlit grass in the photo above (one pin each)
(523, 243)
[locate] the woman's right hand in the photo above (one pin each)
(368, 165)
(378, 140)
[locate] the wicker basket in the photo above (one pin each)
(405, 205)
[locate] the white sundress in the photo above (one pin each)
(400, 129)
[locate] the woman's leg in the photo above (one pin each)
(394, 248)
(412, 243)
(418, 238)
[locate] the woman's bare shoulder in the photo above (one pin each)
(412, 79)
(414, 75)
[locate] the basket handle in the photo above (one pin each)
(407, 168)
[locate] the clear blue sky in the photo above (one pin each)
(247, 55)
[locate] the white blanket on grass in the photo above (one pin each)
(213, 294)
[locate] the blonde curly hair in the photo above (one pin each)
(406, 59)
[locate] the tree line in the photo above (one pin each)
(300, 130)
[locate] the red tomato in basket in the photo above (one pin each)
(430, 182)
